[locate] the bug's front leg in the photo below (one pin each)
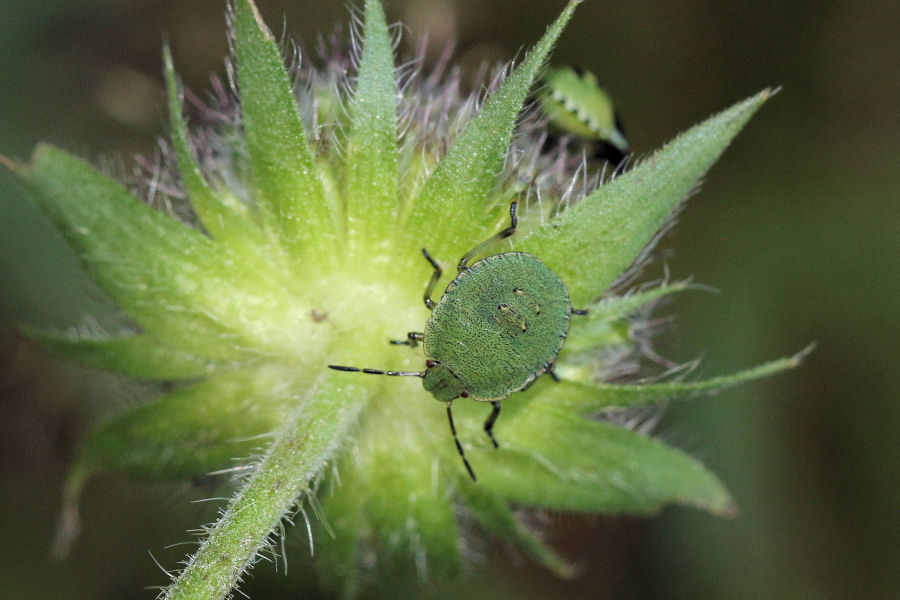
(412, 339)
(513, 223)
(435, 276)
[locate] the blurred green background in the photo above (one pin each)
(798, 227)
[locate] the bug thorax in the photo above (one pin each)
(441, 382)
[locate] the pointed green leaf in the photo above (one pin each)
(585, 465)
(318, 422)
(215, 216)
(228, 222)
(603, 325)
(169, 278)
(456, 193)
(131, 250)
(588, 397)
(595, 241)
(618, 307)
(141, 356)
(372, 161)
(293, 203)
(494, 515)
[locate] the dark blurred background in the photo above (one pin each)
(798, 227)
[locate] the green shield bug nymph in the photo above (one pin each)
(498, 326)
(576, 105)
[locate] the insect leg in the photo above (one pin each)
(489, 424)
(579, 311)
(433, 281)
(412, 339)
(459, 447)
(513, 222)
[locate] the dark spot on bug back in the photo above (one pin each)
(510, 319)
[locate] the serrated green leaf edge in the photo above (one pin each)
(592, 243)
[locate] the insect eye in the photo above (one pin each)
(430, 363)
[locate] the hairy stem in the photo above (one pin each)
(294, 459)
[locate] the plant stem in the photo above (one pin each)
(295, 458)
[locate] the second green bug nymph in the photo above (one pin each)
(499, 325)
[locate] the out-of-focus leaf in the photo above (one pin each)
(141, 356)
(187, 433)
(495, 516)
(617, 307)
(193, 430)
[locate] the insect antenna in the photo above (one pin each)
(378, 372)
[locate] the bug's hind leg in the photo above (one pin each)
(489, 424)
(513, 223)
(459, 447)
(412, 339)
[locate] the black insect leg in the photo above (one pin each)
(412, 339)
(433, 281)
(459, 447)
(513, 222)
(489, 424)
(579, 311)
